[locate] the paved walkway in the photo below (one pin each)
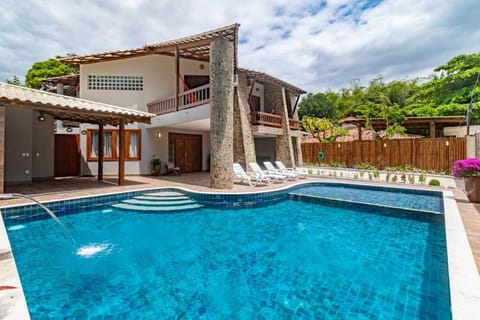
(86, 186)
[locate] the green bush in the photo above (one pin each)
(434, 182)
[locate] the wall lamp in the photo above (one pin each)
(41, 117)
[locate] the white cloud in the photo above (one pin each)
(312, 44)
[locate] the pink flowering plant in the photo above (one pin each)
(467, 168)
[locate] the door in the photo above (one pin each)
(188, 151)
(67, 155)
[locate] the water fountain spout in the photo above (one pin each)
(7, 196)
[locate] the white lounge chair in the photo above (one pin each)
(271, 169)
(284, 170)
(273, 177)
(239, 175)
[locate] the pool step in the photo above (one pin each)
(158, 198)
(133, 207)
(160, 202)
(163, 201)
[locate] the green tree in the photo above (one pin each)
(15, 81)
(450, 90)
(316, 105)
(322, 128)
(45, 69)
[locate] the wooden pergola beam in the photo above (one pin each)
(121, 151)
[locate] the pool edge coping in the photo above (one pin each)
(463, 276)
(464, 279)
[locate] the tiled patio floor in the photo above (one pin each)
(86, 186)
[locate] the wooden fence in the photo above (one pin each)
(437, 154)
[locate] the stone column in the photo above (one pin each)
(221, 114)
(243, 141)
(284, 142)
(2, 149)
(297, 144)
(60, 89)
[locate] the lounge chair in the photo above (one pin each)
(239, 175)
(172, 169)
(273, 177)
(284, 169)
(271, 169)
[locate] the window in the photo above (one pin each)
(102, 82)
(111, 145)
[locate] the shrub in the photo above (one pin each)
(434, 182)
(467, 168)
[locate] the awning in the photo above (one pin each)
(69, 108)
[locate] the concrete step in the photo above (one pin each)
(164, 194)
(158, 202)
(158, 198)
(152, 209)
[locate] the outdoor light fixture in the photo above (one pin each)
(69, 129)
(201, 66)
(84, 132)
(41, 117)
(159, 135)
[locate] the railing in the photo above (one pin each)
(188, 99)
(268, 119)
(273, 120)
(194, 97)
(294, 124)
(162, 106)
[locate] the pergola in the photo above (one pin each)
(62, 107)
(411, 124)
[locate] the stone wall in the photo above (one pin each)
(221, 113)
(273, 99)
(243, 142)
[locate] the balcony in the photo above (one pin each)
(187, 99)
(273, 120)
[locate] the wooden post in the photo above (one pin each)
(101, 143)
(359, 128)
(432, 129)
(177, 77)
(121, 151)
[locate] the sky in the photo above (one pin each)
(315, 45)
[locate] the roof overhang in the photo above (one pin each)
(409, 122)
(68, 108)
(264, 77)
(195, 47)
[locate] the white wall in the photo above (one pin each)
(25, 137)
(460, 131)
(158, 74)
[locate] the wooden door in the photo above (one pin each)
(188, 151)
(180, 152)
(67, 155)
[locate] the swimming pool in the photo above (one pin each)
(284, 259)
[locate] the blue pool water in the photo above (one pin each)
(287, 260)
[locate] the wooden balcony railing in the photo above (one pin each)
(294, 124)
(194, 97)
(268, 119)
(273, 120)
(188, 99)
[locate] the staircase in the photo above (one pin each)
(163, 201)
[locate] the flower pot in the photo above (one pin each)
(472, 187)
(156, 169)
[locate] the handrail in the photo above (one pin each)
(194, 97)
(187, 99)
(268, 119)
(294, 124)
(162, 106)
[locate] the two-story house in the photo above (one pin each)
(209, 111)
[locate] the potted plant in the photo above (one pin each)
(469, 169)
(156, 165)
